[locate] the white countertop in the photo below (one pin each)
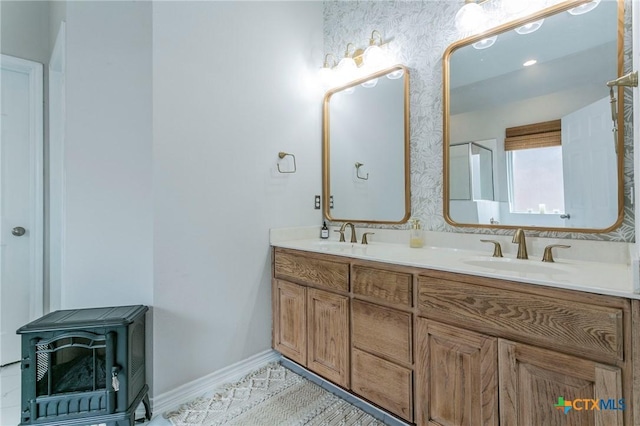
(609, 278)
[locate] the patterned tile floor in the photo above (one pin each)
(10, 397)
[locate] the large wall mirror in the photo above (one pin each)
(366, 149)
(527, 112)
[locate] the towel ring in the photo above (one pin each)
(283, 154)
(358, 165)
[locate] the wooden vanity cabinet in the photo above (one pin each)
(457, 376)
(444, 349)
(311, 312)
(532, 379)
(328, 335)
(290, 320)
(382, 338)
(545, 343)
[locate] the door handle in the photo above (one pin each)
(18, 231)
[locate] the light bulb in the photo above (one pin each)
(470, 18)
(530, 27)
(327, 76)
(395, 74)
(346, 69)
(370, 83)
(584, 8)
(485, 43)
(374, 57)
(515, 7)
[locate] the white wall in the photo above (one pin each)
(233, 84)
(108, 219)
(24, 29)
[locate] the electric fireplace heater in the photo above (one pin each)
(84, 367)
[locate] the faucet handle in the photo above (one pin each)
(364, 237)
(497, 249)
(548, 254)
(341, 235)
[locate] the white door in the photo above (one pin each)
(21, 201)
(590, 166)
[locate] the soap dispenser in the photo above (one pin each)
(324, 231)
(416, 237)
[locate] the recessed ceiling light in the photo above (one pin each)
(529, 62)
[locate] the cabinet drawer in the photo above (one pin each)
(385, 286)
(382, 331)
(574, 326)
(311, 270)
(383, 383)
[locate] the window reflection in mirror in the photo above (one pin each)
(490, 90)
(366, 149)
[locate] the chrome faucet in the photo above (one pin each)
(354, 239)
(519, 238)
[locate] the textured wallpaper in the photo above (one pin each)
(420, 31)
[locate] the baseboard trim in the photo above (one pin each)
(173, 399)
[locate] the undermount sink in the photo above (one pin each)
(337, 245)
(504, 264)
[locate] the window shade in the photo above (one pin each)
(538, 135)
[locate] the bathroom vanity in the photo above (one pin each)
(442, 344)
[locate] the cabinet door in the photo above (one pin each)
(543, 387)
(328, 334)
(457, 380)
(290, 320)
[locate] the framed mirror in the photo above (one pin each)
(538, 100)
(366, 149)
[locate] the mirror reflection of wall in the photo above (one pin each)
(365, 139)
(471, 175)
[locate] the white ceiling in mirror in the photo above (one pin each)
(564, 47)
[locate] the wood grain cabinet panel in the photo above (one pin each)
(311, 270)
(382, 331)
(383, 383)
(290, 320)
(577, 327)
(456, 376)
(328, 335)
(384, 286)
(533, 379)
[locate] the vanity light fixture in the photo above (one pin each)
(584, 8)
(347, 67)
(485, 43)
(530, 27)
(395, 74)
(327, 74)
(358, 62)
(370, 83)
(515, 7)
(471, 18)
(530, 62)
(373, 56)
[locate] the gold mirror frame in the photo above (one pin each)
(561, 7)
(326, 149)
